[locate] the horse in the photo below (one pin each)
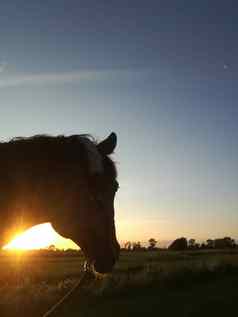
(69, 181)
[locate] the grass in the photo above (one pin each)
(143, 283)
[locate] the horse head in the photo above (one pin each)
(99, 243)
(92, 226)
(68, 181)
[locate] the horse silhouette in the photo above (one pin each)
(69, 181)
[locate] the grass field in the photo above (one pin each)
(195, 283)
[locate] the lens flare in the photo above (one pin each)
(39, 237)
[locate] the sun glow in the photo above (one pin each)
(39, 237)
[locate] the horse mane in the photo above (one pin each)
(46, 138)
(59, 144)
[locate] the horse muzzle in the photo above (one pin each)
(105, 262)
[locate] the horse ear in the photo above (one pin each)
(108, 145)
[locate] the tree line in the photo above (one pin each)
(183, 244)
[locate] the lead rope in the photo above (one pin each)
(88, 274)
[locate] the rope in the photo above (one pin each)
(87, 275)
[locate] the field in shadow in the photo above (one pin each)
(160, 282)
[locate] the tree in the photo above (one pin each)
(179, 244)
(52, 247)
(210, 243)
(128, 246)
(136, 246)
(191, 243)
(230, 243)
(225, 243)
(233, 243)
(152, 244)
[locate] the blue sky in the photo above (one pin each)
(162, 74)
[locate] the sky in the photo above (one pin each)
(162, 74)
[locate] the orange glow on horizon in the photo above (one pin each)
(39, 237)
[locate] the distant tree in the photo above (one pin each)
(233, 243)
(191, 243)
(225, 243)
(128, 245)
(210, 244)
(230, 243)
(136, 246)
(152, 244)
(203, 246)
(52, 247)
(179, 244)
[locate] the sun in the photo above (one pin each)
(39, 237)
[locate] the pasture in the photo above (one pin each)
(191, 283)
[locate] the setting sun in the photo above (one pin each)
(38, 237)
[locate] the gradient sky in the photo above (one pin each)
(162, 74)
